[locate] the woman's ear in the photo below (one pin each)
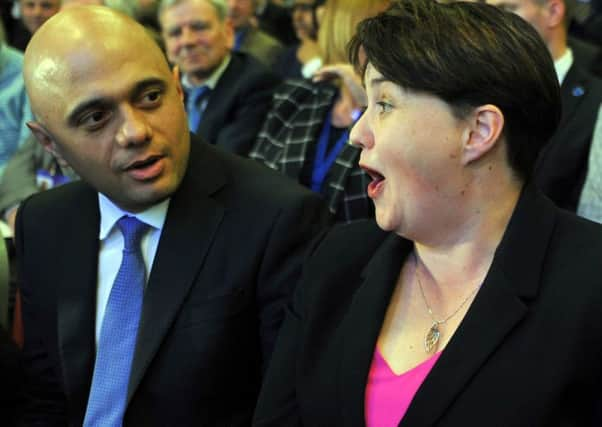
(484, 130)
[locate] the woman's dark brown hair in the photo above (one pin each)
(468, 54)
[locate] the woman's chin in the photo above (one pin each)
(385, 220)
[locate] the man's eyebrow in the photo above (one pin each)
(90, 104)
(101, 103)
(179, 26)
(143, 85)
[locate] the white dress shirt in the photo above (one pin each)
(211, 81)
(111, 246)
(563, 64)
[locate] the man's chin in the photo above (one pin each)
(200, 72)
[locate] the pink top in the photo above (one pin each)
(389, 395)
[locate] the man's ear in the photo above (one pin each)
(176, 76)
(47, 141)
(555, 13)
(228, 29)
(484, 130)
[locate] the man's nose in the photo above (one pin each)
(135, 128)
(188, 35)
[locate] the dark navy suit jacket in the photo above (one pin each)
(238, 104)
(227, 260)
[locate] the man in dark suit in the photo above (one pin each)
(249, 37)
(228, 93)
(562, 166)
(276, 20)
(152, 289)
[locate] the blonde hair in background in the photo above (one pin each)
(338, 22)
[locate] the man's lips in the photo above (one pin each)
(375, 187)
(145, 169)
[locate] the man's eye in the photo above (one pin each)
(151, 98)
(95, 119)
(199, 26)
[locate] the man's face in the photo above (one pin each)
(35, 12)
(530, 10)
(115, 115)
(241, 12)
(303, 19)
(195, 38)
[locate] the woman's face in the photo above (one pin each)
(411, 146)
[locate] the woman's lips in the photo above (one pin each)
(375, 188)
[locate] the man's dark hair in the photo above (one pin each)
(468, 54)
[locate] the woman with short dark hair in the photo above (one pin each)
(475, 302)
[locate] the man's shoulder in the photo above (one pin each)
(253, 182)
(584, 53)
(48, 214)
(69, 196)
(259, 37)
(580, 82)
(245, 67)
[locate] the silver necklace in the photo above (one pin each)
(431, 339)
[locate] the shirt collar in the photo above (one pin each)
(110, 214)
(563, 64)
(212, 80)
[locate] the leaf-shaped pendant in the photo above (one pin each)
(431, 340)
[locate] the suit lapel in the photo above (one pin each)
(192, 220)
(362, 325)
(219, 98)
(499, 306)
(76, 298)
(573, 91)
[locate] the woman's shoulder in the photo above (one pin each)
(572, 231)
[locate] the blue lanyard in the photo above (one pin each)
(323, 161)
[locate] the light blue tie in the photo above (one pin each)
(115, 351)
(194, 106)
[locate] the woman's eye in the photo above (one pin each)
(383, 107)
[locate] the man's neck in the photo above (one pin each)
(210, 79)
(557, 45)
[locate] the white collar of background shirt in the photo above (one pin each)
(563, 64)
(212, 80)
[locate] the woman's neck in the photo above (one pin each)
(469, 250)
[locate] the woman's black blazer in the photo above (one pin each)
(528, 352)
